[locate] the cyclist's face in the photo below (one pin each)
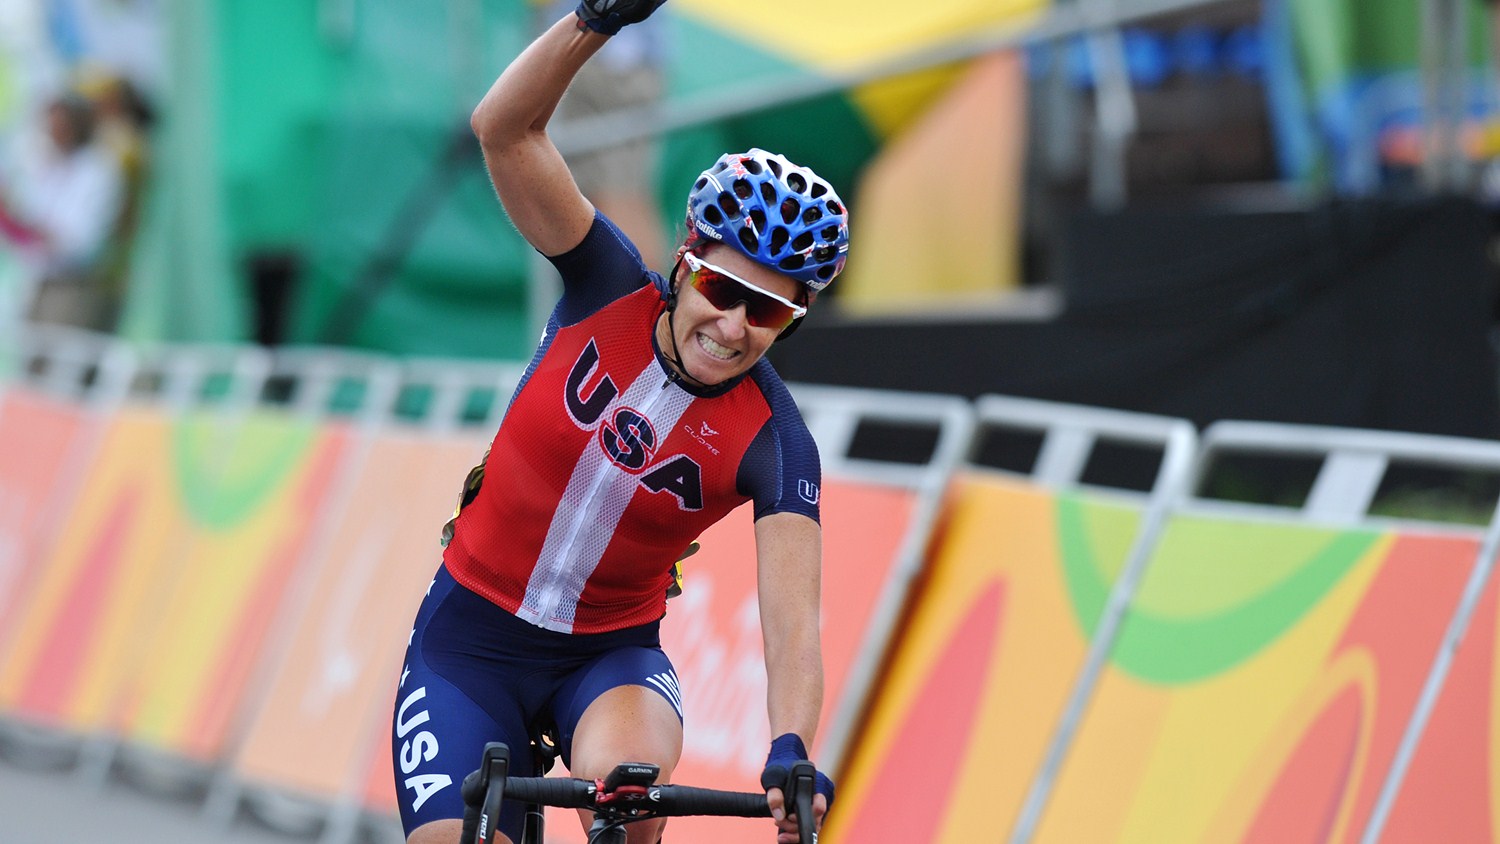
(716, 345)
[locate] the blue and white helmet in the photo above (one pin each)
(778, 214)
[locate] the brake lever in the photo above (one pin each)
(802, 782)
(496, 766)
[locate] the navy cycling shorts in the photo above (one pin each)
(474, 673)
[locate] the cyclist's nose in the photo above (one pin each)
(734, 322)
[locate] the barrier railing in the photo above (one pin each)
(994, 613)
(1354, 465)
(833, 416)
(52, 419)
(70, 364)
(1071, 436)
(320, 730)
(1276, 654)
(243, 528)
(252, 535)
(76, 644)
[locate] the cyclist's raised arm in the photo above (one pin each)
(530, 176)
(789, 552)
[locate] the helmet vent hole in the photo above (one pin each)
(825, 273)
(797, 183)
(789, 209)
(712, 216)
(824, 254)
(752, 166)
(775, 166)
(830, 232)
(779, 237)
(792, 263)
(758, 219)
(742, 188)
(749, 241)
(811, 215)
(818, 189)
(834, 208)
(700, 184)
(768, 193)
(727, 204)
(803, 241)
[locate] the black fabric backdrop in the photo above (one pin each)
(1369, 315)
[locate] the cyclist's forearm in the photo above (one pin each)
(794, 688)
(789, 547)
(522, 100)
(530, 176)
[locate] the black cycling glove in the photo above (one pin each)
(785, 751)
(608, 17)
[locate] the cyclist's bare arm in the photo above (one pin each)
(788, 549)
(530, 176)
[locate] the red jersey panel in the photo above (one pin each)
(602, 473)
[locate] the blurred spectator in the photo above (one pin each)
(123, 129)
(621, 180)
(60, 199)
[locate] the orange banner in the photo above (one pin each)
(1260, 686)
(1452, 789)
(983, 667)
(1257, 690)
(39, 436)
(323, 728)
(248, 534)
(76, 641)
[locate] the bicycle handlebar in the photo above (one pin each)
(625, 803)
(658, 800)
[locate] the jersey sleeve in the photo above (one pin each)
(599, 270)
(780, 472)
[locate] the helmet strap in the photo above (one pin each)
(681, 373)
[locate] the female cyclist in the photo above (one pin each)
(647, 413)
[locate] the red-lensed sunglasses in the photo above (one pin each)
(724, 290)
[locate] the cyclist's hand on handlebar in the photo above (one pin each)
(786, 827)
(786, 752)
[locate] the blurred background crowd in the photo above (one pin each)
(78, 114)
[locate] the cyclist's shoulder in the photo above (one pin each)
(778, 398)
(604, 268)
(605, 249)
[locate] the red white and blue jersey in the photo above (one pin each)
(605, 468)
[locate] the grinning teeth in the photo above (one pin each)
(708, 345)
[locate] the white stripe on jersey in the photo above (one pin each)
(591, 506)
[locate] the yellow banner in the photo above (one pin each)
(983, 668)
(842, 34)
